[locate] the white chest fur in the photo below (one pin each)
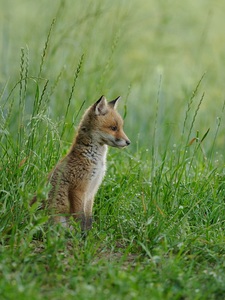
(97, 156)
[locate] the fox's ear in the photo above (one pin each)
(113, 103)
(100, 106)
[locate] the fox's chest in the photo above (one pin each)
(97, 171)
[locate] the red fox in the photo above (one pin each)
(77, 177)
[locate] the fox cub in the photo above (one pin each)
(77, 177)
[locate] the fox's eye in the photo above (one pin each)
(113, 128)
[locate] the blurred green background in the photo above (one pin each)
(152, 53)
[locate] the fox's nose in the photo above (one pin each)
(128, 142)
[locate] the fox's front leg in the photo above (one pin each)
(76, 200)
(88, 218)
(81, 209)
(59, 205)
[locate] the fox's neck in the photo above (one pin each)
(86, 143)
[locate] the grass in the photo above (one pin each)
(160, 213)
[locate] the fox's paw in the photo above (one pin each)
(86, 223)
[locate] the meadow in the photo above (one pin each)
(160, 212)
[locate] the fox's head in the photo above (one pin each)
(104, 124)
